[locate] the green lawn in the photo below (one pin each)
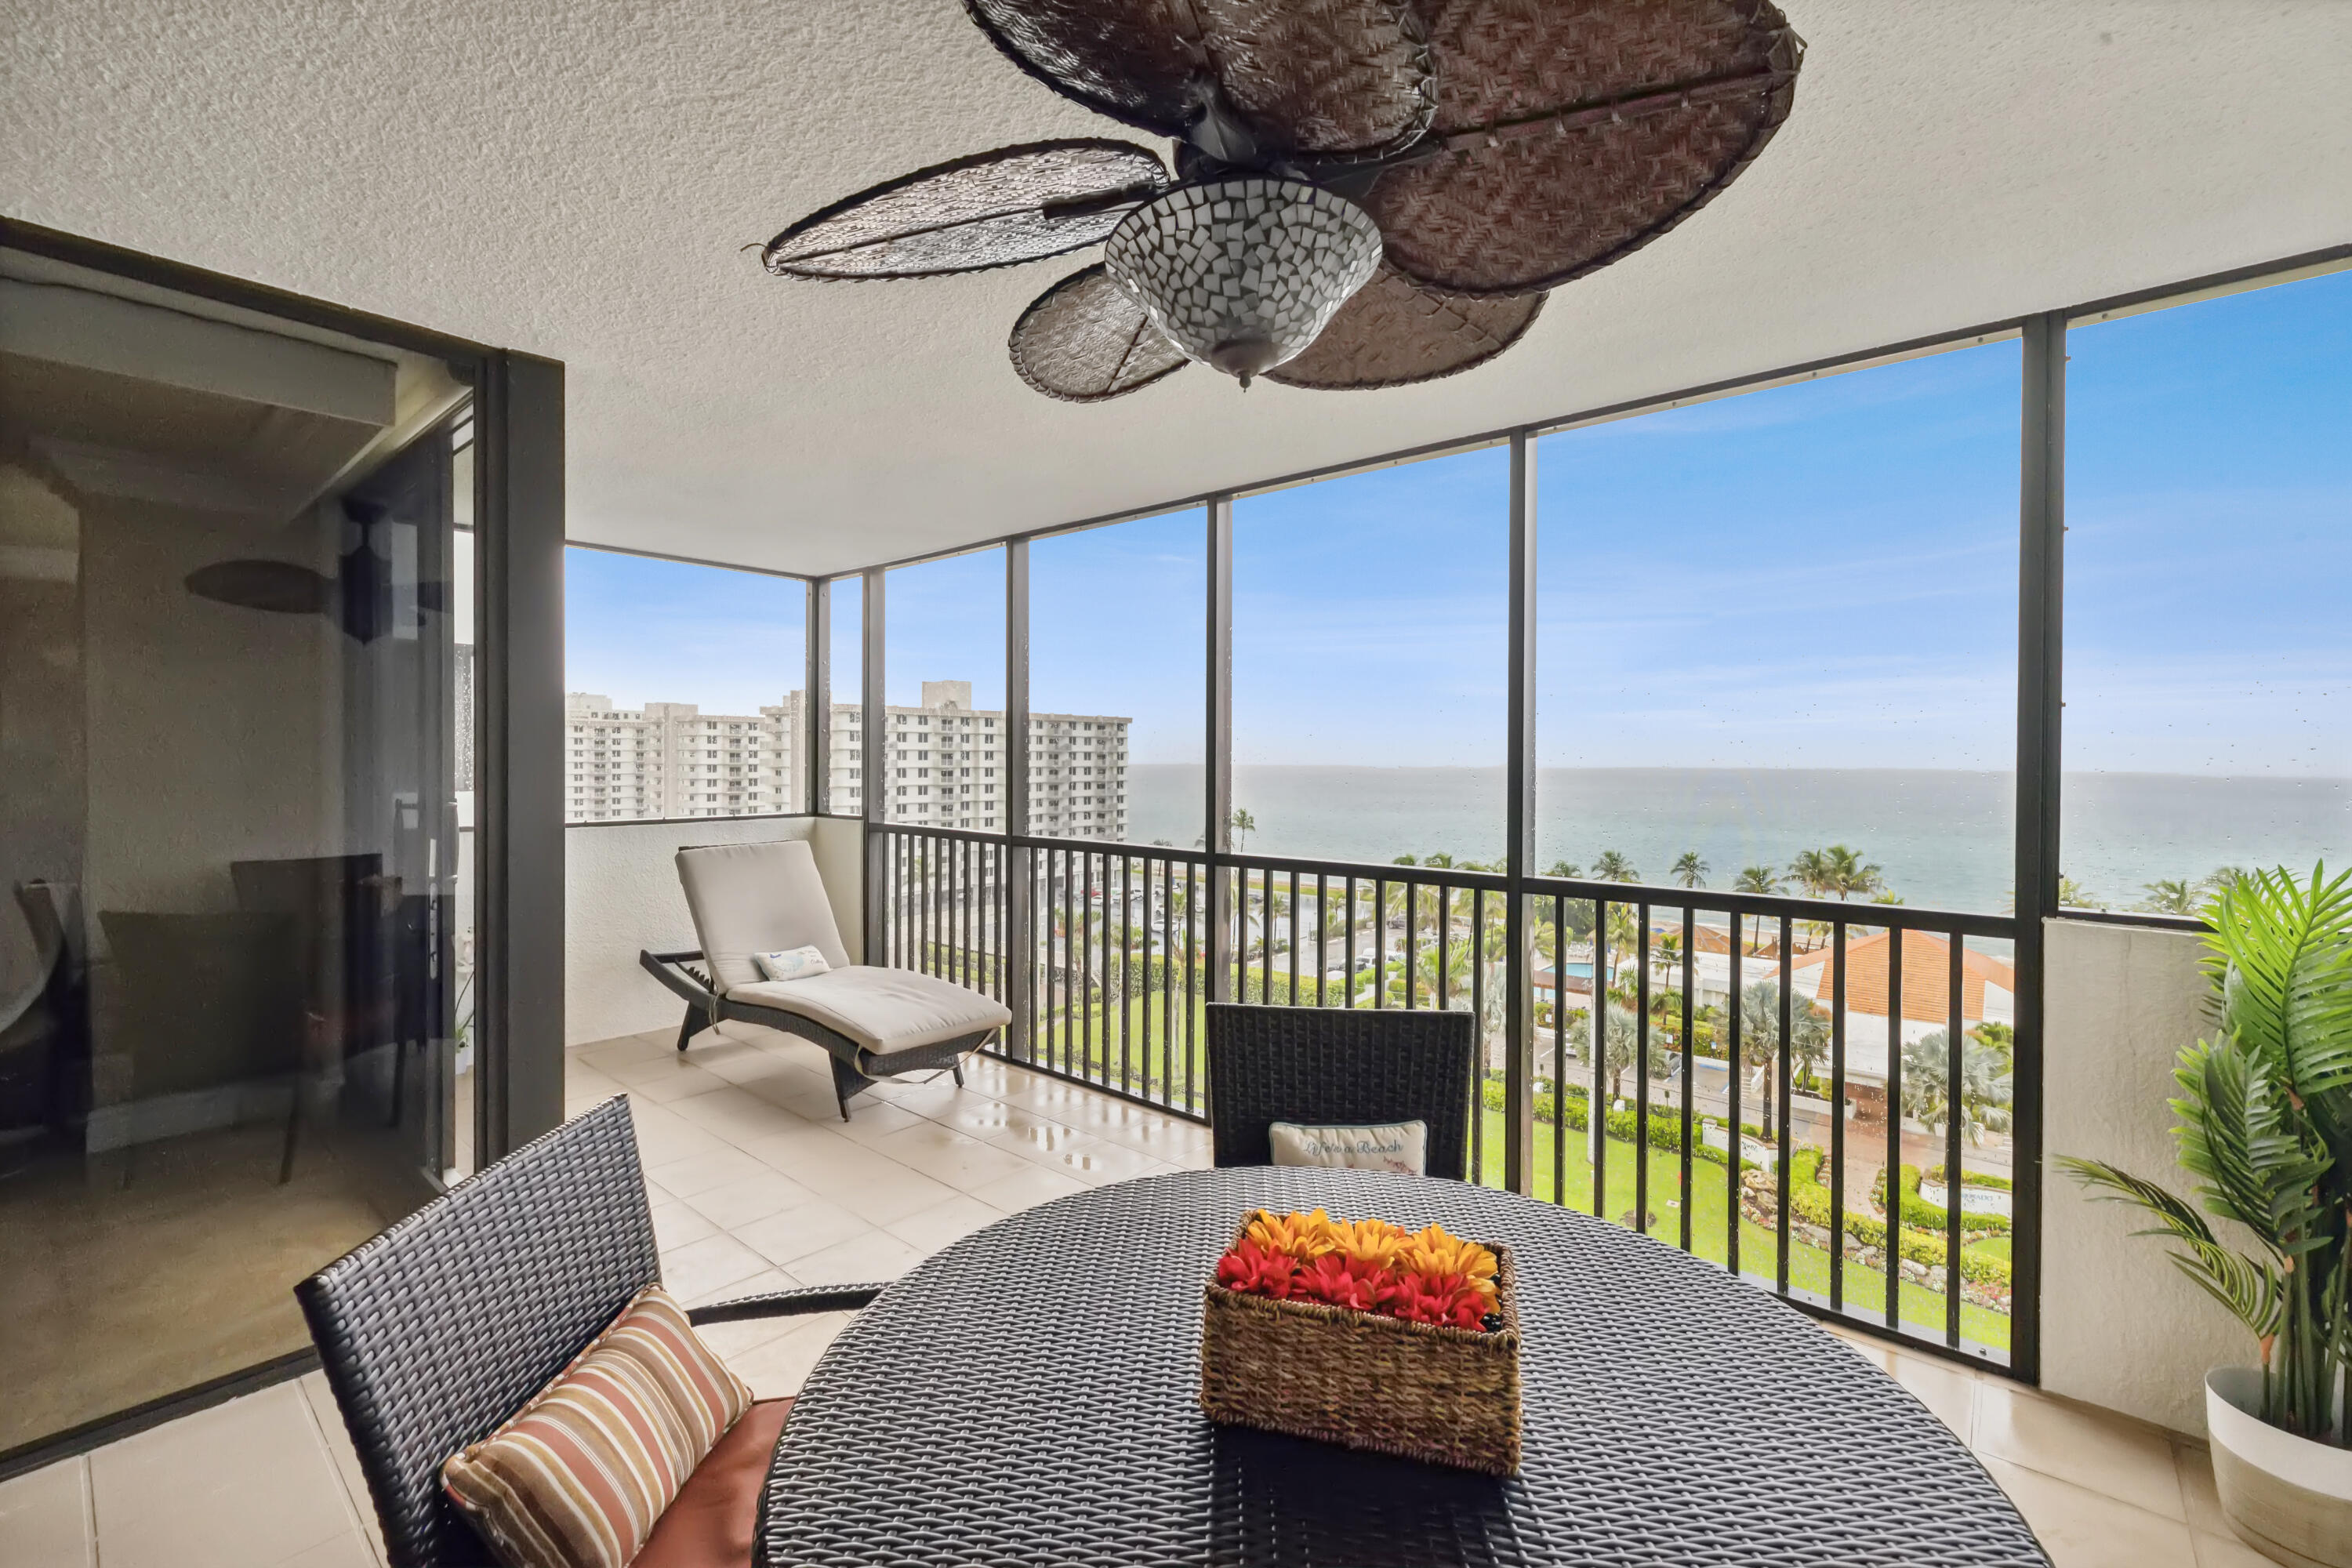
(1089, 1053)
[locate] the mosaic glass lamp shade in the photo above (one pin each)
(1243, 274)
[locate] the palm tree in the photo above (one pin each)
(1612, 866)
(2165, 898)
(1242, 824)
(1620, 1047)
(1985, 1087)
(1567, 870)
(1849, 874)
(1809, 870)
(1763, 882)
(1760, 1037)
(1690, 870)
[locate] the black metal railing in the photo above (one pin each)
(1709, 1055)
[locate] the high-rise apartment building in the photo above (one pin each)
(945, 763)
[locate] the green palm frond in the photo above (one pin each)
(2253, 1292)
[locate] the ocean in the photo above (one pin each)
(1942, 838)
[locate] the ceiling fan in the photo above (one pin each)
(1365, 193)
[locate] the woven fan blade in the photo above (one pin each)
(1016, 204)
(1394, 332)
(1336, 77)
(1575, 133)
(1086, 340)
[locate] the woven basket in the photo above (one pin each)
(1447, 1396)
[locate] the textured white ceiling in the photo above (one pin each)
(575, 179)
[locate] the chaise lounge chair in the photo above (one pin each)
(877, 1023)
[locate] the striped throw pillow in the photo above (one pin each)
(579, 1476)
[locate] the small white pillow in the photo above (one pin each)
(794, 963)
(1400, 1146)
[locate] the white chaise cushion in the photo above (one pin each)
(884, 1010)
(749, 899)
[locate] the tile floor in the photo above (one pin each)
(758, 1184)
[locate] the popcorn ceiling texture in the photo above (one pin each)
(575, 180)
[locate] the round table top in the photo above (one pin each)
(1028, 1396)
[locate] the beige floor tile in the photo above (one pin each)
(1953, 1393)
(184, 1495)
(766, 1282)
(806, 1095)
(784, 1238)
(675, 1224)
(626, 1050)
(934, 1228)
(870, 1119)
(2083, 1529)
(874, 1257)
(336, 1435)
(948, 1156)
(834, 1168)
(1027, 1188)
(756, 1197)
(699, 1269)
(700, 1172)
(2107, 1454)
(735, 1115)
(45, 1517)
(664, 1078)
(889, 1196)
(343, 1552)
(663, 1139)
(2194, 1463)
(988, 1118)
(777, 1369)
(2227, 1551)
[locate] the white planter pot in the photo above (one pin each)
(2287, 1497)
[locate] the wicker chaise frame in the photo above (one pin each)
(1335, 1067)
(855, 1069)
(436, 1332)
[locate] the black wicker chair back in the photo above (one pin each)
(1336, 1067)
(438, 1330)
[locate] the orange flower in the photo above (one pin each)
(1341, 1281)
(1305, 1237)
(1371, 1242)
(1433, 1251)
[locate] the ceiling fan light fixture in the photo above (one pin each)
(1243, 274)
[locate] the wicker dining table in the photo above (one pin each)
(1027, 1397)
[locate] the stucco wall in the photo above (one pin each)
(2121, 1326)
(621, 896)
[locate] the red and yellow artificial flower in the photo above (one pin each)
(1365, 1266)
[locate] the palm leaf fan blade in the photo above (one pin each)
(1338, 77)
(1567, 137)
(1086, 340)
(992, 209)
(1394, 332)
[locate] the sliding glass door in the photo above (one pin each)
(230, 1009)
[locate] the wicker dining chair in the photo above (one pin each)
(1339, 1067)
(438, 1331)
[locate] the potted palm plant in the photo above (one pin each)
(2266, 1130)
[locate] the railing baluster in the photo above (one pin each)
(1192, 880)
(1294, 939)
(1788, 1110)
(1379, 943)
(1146, 1007)
(1735, 1061)
(1837, 1116)
(1690, 1055)
(1478, 1036)
(1348, 986)
(1642, 1082)
(1952, 1279)
(1412, 945)
(1558, 1049)
(1890, 1209)
(1596, 1110)
(1130, 1018)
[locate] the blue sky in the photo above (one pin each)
(1821, 574)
